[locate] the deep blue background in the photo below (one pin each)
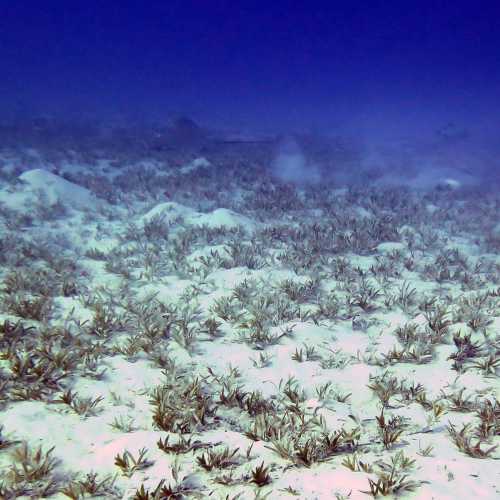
(377, 67)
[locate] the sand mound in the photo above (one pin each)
(217, 218)
(41, 186)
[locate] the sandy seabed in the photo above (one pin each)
(203, 331)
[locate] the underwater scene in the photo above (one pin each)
(249, 251)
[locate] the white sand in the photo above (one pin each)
(88, 443)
